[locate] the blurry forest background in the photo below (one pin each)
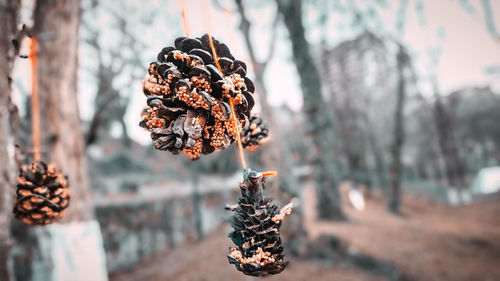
(385, 126)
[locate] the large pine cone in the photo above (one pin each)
(188, 98)
(254, 133)
(256, 224)
(42, 194)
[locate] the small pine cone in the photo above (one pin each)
(254, 133)
(42, 194)
(188, 97)
(256, 224)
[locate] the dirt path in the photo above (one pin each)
(206, 260)
(429, 242)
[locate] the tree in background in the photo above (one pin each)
(276, 153)
(9, 19)
(55, 27)
(398, 132)
(114, 59)
(475, 110)
(445, 124)
(319, 121)
(358, 74)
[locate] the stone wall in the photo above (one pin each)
(159, 216)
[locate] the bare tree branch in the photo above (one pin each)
(490, 19)
(245, 26)
(245, 29)
(272, 44)
(110, 105)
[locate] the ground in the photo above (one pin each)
(427, 241)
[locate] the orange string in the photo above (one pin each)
(35, 109)
(216, 58)
(270, 173)
(182, 5)
(238, 137)
(231, 103)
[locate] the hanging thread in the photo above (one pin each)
(206, 12)
(231, 103)
(35, 109)
(206, 17)
(185, 26)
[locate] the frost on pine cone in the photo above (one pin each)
(42, 194)
(254, 133)
(188, 98)
(256, 224)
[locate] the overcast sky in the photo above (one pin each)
(459, 32)
(466, 46)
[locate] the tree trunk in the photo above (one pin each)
(275, 153)
(380, 166)
(454, 167)
(72, 249)
(9, 11)
(319, 120)
(197, 201)
(56, 29)
(399, 134)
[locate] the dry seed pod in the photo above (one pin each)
(188, 97)
(256, 224)
(254, 133)
(42, 194)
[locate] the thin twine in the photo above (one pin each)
(227, 14)
(185, 26)
(35, 109)
(216, 59)
(231, 103)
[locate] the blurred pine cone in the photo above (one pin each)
(256, 224)
(42, 194)
(254, 133)
(188, 98)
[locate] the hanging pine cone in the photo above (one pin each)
(42, 194)
(254, 133)
(256, 224)
(188, 98)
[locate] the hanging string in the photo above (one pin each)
(227, 14)
(238, 137)
(206, 12)
(185, 26)
(35, 109)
